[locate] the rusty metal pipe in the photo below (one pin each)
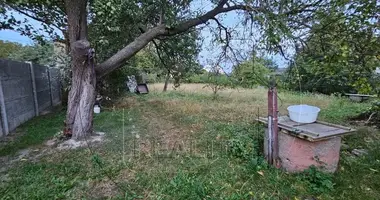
(276, 162)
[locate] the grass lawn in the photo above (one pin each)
(184, 145)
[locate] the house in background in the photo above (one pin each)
(377, 71)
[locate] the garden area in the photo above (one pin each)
(161, 99)
(184, 144)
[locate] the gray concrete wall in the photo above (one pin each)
(26, 90)
(55, 85)
(41, 78)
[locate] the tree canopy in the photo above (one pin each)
(8, 48)
(342, 51)
(253, 72)
(41, 54)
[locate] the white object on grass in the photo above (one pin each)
(303, 113)
(132, 84)
(96, 109)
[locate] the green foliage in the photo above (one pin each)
(8, 48)
(41, 54)
(241, 140)
(340, 55)
(143, 63)
(245, 141)
(240, 149)
(36, 9)
(197, 78)
(117, 23)
(217, 82)
(374, 82)
(125, 21)
(318, 182)
(177, 56)
(254, 72)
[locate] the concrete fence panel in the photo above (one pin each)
(24, 92)
(55, 85)
(41, 78)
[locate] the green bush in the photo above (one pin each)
(243, 140)
(197, 78)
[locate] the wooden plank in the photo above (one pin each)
(335, 125)
(310, 131)
(301, 136)
(295, 130)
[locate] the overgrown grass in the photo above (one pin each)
(184, 145)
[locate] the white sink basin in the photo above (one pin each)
(303, 113)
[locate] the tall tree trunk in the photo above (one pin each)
(166, 81)
(82, 94)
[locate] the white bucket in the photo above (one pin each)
(303, 113)
(96, 109)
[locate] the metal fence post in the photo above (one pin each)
(34, 88)
(3, 111)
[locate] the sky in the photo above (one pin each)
(231, 20)
(13, 36)
(209, 51)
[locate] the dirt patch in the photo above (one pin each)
(22, 155)
(96, 138)
(51, 146)
(33, 155)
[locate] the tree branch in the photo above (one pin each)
(130, 50)
(161, 30)
(207, 16)
(36, 18)
(221, 28)
(158, 53)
